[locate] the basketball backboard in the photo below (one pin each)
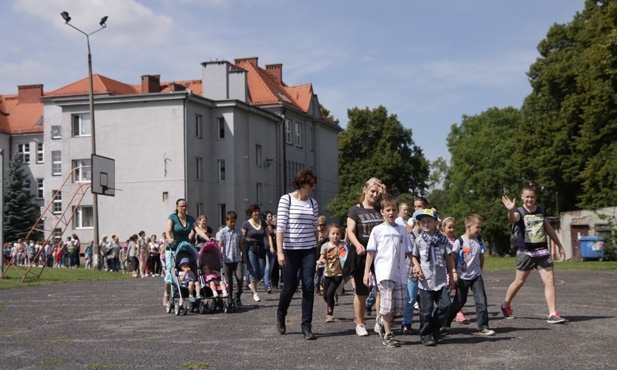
(103, 175)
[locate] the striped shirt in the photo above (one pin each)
(297, 221)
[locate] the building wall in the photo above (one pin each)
(585, 222)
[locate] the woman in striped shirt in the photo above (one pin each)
(296, 242)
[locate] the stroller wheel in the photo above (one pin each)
(169, 306)
(177, 308)
(211, 305)
(225, 307)
(201, 308)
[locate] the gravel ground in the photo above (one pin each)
(122, 324)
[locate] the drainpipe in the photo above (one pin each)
(283, 141)
(186, 140)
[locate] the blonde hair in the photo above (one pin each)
(472, 219)
(369, 184)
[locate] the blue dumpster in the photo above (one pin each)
(592, 247)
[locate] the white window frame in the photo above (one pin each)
(298, 135)
(23, 150)
(84, 174)
(258, 155)
(80, 220)
(198, 168)
(27, 185)
(199, 126)
(288, 131)
(56, 163)
(56, 207)
(40, 152)
(221, 170)
(40, 188)
(78, 128)
(221, 127)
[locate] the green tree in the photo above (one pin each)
(482, 170)
(375, 144)
(20, 211)
(568, 137)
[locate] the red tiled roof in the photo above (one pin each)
(19, 118)
(100, 85)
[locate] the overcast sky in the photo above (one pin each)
(428, 62)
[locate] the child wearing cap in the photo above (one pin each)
(430, 254)
(188, 279)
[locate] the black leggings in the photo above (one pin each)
(330, 284)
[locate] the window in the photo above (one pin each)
(221, 127)
(83, 217)
(258, 159)
(198, 170)
(56, 132)
(81, 124)
(298, 134)
(40, 188)
(40, 153)
(198, 209)
(57, 203)
(258, 193)
(221, 170)
(222, 214)
(27, 185)
(288, 131)
(23, 150)
(56, 163)
(82, 174)
(198, 126)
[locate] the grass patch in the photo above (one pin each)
(5, 330)
(55, 276)
(52, 361)
(48, 341)
(196, 365)
(509, 263)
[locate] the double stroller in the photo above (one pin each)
(179, 300)
(210, 257)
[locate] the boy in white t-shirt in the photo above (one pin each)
(468, 252)
(387, 246)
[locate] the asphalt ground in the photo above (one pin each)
(122, 324)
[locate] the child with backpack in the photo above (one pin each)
(468, 252)
(447, 228)
(532, 253)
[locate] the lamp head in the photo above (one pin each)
(102, 22)
(65, 16)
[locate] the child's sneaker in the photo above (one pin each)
(554, 318)
(192, 298)
(406, 329)
(379, 328)
(461, 319)
(329, 318)
(487, 332)
(390, 341)
(507, 311)
(361, 330)
(199, 296)
(256, 297)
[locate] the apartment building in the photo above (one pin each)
(234, 137)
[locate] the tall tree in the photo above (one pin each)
(20, 211)
(482, 170)
(568, 136)
(375, 144)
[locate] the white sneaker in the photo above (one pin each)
(487, 332)
(361, 330)
(379, 328)
(256, 298)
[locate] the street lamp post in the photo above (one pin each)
(96, 263)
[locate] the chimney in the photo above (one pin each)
(276, 71)
(174, 87)
(150, 83)
(29, 93)
(252, 60)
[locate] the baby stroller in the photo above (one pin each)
(210, 255)
(179, 293)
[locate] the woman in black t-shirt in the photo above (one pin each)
(360, 221)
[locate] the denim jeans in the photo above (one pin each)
(299, 261)
(479, 297)
(412, 293)
(257, 263)
(268, 269)
(431, 320)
